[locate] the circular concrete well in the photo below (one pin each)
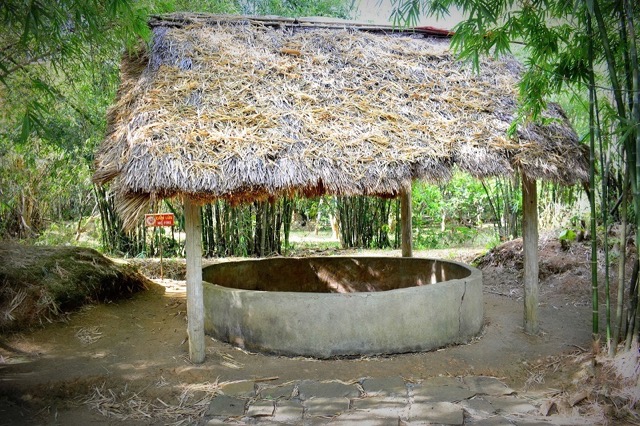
(333, 306)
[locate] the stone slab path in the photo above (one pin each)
(471, 400)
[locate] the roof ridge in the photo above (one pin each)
(180, 19)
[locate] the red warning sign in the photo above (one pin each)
(159, 219)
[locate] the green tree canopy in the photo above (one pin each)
(47, 48)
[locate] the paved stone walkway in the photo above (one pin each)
(473, 400)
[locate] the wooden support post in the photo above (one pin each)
(530, 251)
(405, 218)
(195, 302)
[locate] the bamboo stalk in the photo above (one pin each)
(604, 208)
(287, 212)
(495, 211)
(530, 250)
(635, 337)
(633, 53)
(405, 216)
(621, 265)
(633, 301)
(592, 201)
(261, 248)
(397, 236)
(220, 248)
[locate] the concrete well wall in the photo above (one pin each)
(318, 307)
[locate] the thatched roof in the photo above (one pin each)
(243, 108)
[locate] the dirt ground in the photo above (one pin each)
(128, 360)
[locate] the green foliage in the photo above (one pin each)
(65, 233)
(38, 182)
(427, 204)
(406, 12)
(567, 235)
(293, 8)
(58, 73)
(461, 201)
(451, 214)
(204, 6)
(434, 238)
(44, 47)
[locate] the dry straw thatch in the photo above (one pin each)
(252, 108)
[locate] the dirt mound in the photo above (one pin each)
(564, 271)
(554, 258)
(39, 284)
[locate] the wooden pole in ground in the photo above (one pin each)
(161, 269)
(530, 251)
(405, 219)
(195, 303)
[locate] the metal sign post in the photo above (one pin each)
(159, 220)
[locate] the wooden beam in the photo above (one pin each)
(405, 219)
(195, 302)
(530, 251)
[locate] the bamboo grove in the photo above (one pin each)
(444, 215)
(257, 229)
